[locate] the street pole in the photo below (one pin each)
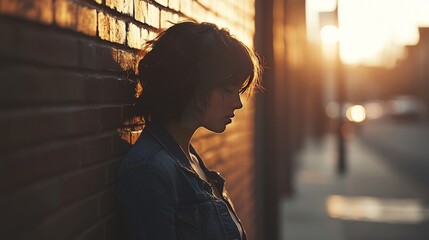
(340, 89)
(331, 37)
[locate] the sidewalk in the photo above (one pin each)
(399, 204)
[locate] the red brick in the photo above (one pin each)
(87, 20)
(153, 16)
(88, 55)
(134, 36)
(111, 29)
(144, 35)
(95, 150)
(166, 19)
(31, 127)
(47, 46)
(110, 118)
(23, 207)
(65, 223)
(152, 35)
(94, 233)
(107, 201)
(186, 7)
(112, 170)
(77, 121)
(82, 184)
(46, 86)
(94, 90)
(199, 11)
(27, 166)
(174, 4)
(140, 10)
(66, 13)
(108, 89)
(113, 228)
(108, 59)
(122, 6)
(162, 2)
(8, 40)
(38, 10)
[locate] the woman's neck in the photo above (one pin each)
(182, 134)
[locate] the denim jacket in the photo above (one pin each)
(161, 197)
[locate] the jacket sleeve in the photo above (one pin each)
(146, 206)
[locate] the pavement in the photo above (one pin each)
(373, 200)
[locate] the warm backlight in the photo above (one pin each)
(329, 34)
(373, 32)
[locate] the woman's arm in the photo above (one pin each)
(146, 205)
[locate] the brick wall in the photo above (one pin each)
(65, 93)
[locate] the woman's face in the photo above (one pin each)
(220, 107)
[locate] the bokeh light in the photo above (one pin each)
(356, 113)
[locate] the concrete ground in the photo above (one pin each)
(373, 200)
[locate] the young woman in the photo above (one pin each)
(192, 76)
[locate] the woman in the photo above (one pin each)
(192, 76)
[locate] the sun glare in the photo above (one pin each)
(329, 34)
(373, 32)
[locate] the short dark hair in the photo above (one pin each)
(185, 62)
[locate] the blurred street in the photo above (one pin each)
(405, 146)
(383, 195)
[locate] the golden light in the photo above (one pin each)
(374, 32)
(370, 39)
(371, 209)
(329, 34)
(356, 113)
(312, 9)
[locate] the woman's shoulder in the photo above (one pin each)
(147, 152)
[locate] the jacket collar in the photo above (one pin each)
(164, 138)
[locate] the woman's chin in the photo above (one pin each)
(219, 129)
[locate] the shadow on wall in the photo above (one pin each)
(65, 103)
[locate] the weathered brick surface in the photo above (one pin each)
(152, 15)
(65, 98)
(140, 10)
(37, 10)
(111, 28)
(134, 36)
(87, 24)
(46, 46)
(95, 232)
(122, 6)
(9, 40)
(66, 13)
(174, 4)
